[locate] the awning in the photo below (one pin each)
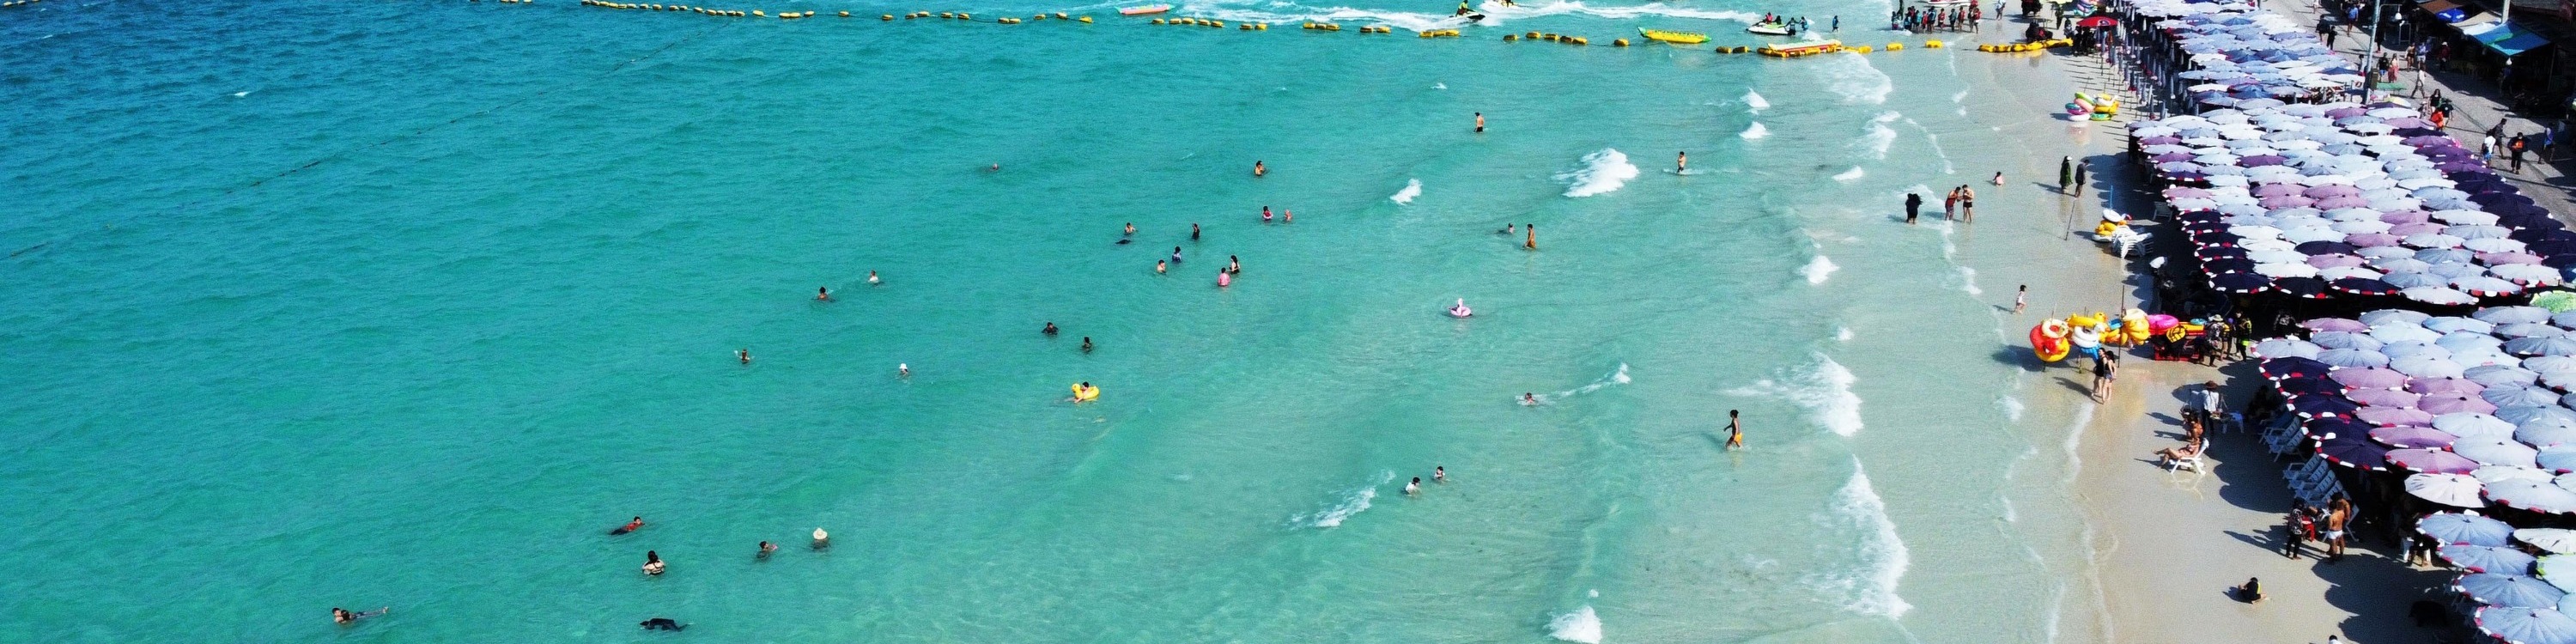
(2505, 37)
(2446, 11)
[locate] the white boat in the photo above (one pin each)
(1771, 29)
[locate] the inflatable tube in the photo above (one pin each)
(1085, 394)
(2052, 328)
(1224, 279)
(2044, 346)
(2085, 338)
(2133, 327)
(2160, 322)
(1461, 309)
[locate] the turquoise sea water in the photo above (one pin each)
(406, 303)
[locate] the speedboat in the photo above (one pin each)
(1771, 29)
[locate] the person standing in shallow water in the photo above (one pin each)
(2079, 179)
(1480, 122)
(1258, 170)
(2065, 174)
(1913, 206)
(1968, 204)
(1681, 163)
(1734, 430)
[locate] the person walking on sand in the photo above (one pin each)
(2065, 174)
(2021, 299)
(1913, 206)
(2209, 402)
(2079, 179)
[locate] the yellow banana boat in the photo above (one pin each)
(1675, 37)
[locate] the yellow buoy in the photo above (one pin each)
(1059, 15)
(1935, 44)
(1895, 46)
(1580, 41)
(1086, 20)
(1511, 37)
(1158, 21)
(886, 17)
(757, 12)
(1623, 42)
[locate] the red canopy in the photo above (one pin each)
(2097, 21)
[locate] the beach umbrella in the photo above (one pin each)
(2300, 286)
(2355, 452)
(2524, 415)
(2476, 231)
(2483, 356)
(2496, 451)
(2457, 269)
(2430, 461)
(2498, 376)
(2545, 434)
(2369, 378)
(2484, 559)
(2453, 403)
(2494, 473)
(2431, 240)
(2364, 286)
(2534, 275)
(2393, 317)
(2461, 527)
(2382, 398)
(2287, 348)
(2511, 314)
(2407, 264)
(2557, 458)
(2299, 386)
(2350, 357)
(2412, 438)
(2542, 346)
(2278, 270)
(2545, 498)
(2525, 625)
(2415, 279)
(2504, 252)
(2547, 364)
(2468, 425)
(2511, 396)
(2409, 331)
(2528, 330)
(2508, 590)
(2342, 340)
(2436, 295)
(2412, 348)
(2552, 540)
(2240, 282)
(2458, 341)
(2423, 367)
(2323, 406)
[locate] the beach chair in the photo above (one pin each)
(2282, 437)
(2231, 422)
(2192, 463)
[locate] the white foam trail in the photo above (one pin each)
(1848, 176)
(1581, 626)
(1882, 557)
(1616, 377)
(1824, 389)
(1855, 80)
(1755, 132)
(2075, 439)
(1412, 188)
(1968, 281)
(1818, 269)
(1842, 334)
(1754, 102)
(1602, 172)
(1353, 502)
(240, 94)
(1439, 86)
(1876, 139)
(1935, 139)
(2012, 407)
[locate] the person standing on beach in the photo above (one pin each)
(2080, 171)
(1913, 206)
(2021, 299)
(2338, 518)
(2102, 376)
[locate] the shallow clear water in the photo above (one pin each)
(357, 304)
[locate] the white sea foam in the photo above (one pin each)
(1968, 281)
(1824, 389)
(1754, 102)
(240, 94)
(1818, 269)
(1842, 334)
(1756, 131)
(1848, 176)
(1412, 188)
(1616, 377)
(2075, 439)
(1352, 502)
(1602, 172)
(1854, 80)
(1439, 86)
(1581, 626)
(1878, 554)
(2012, 407)
(1875, 139)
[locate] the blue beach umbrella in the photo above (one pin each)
(2510, 590)
(2458, 527)
(2490, 559)
(2518, 625)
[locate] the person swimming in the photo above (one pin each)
(1508, 229)
(1176, 250)
(1999, 178)
(822, 294)
(1461, 309)
(340, 616)
(653, 565)
(1131, 229)
(1086, 344)
(1439, 474)
(1194, 235)
(1414, 487)
(1224, 279)
(1049, 330)
(745, 354)
(1234, 264)
(1287, 216)
(663, 624)
(765, 549)
(902, 370)
(1529, 398)
(1265, 214)
(631, 525)
(1480, 116)
(872, 278)
(996, 168)
(1161, 266)
(1258, 170)
(822, 539)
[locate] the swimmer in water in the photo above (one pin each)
(1439, 474)
(1086, 344)
(1265, 214)
(1194, 235)
(1176, 253)
(1234, 264)
(902, 370)
(745, 354)
(1734, 430)
(652, 563)
(1257, 170)
(1681, 163)
(1480, 116)
(663, 624)
(630, 526)
(1414, 487)
(872, 278)
(765, 549)
(1160, 266)
(340, 616)
(822, 294)
(1999, 179)
(1049, 330)
(1508, 228)
(822, 539)
(996, 168)
(1287, 216)
(1529, 398)
(1131, 229)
